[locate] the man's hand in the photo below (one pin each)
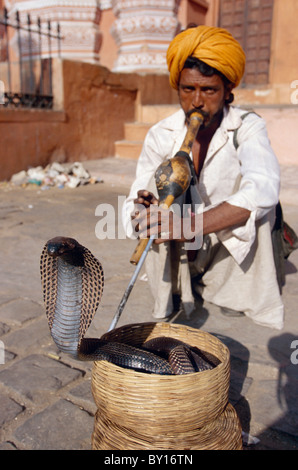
(164, 224)
(145, 198)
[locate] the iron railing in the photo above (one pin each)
(26, 74)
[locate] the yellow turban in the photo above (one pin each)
(214, 46)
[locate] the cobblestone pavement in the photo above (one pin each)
(45, 396)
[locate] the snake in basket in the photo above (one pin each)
(72, 281)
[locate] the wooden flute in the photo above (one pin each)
(173, 176)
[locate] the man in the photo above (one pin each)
(237, 184)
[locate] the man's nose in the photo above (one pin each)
(197, 100)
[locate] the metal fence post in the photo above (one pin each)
(7, 48)
(20, 50)
(28, 94)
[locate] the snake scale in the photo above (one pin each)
(72, 281)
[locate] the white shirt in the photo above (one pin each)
(253, 165)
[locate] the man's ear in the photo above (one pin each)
(229, 96)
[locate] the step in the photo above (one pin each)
(128, 149)
(136, 130)
(154, 113)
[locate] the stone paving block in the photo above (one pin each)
(4, 296)
(62, 426)
(3, 329)
(9, 409)
(266, 405)
(7, 446)
(83, 394)
(8, 356)
(239, 386)
(29, 338)
(18, 311)
(37, 374)
(273, 440)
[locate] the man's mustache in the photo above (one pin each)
(204, 114)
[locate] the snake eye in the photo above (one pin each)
(59, 246)
(52, 250)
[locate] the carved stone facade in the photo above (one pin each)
(143, 30)
(79, 21)
(123, 35)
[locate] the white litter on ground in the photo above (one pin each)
(55, 175)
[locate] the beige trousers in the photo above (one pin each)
(251, 287)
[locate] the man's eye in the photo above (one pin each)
(209, 91)
(188, 89)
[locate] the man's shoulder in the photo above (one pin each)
(244, 123)
(240, 114)
(241, 119)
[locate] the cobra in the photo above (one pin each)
(72, 281)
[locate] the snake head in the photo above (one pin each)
(67, 248)
(60, 246)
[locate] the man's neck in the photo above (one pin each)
(205, 135)
(201, 144)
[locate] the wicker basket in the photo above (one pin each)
(224, 433)
(147, 411)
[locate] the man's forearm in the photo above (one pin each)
(157, 221)
(224, 216)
